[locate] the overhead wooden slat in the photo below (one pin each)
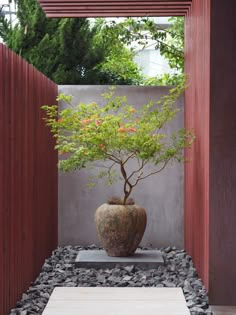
(109, 8)
(138, 10)
(75, 14)
(145, 3)
(113, 6)
(94, 15)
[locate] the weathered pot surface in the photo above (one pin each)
(120, 228)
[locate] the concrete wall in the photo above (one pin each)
(160, 195)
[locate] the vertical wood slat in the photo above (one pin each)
(28, 177)
(197, 113)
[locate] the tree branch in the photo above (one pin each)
(152, 173)
(137, 171)
(104, 166)
(129, 157)
(109, 169)
(113, 158)
(170, 49)
(127, 192)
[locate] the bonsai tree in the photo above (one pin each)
(118, 132)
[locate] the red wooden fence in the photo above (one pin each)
(28, 177)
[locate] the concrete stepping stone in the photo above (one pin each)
(116, 301)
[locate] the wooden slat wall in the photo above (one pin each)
(28, 177)
(197, 109)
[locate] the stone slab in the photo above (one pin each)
(99, 259)
(223, 310)
(116, 301)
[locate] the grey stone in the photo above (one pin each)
(129, 268)
(171, 268)
(197, 310)
(192, 272)
(180, 255)
(127, 278)
(71, 284)
(47, 267)
(168, 249)
(187, 287)
(45, 295)
(169, 284)
(191, 303)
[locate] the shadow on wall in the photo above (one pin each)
(160, 195)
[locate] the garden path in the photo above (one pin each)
(116, 301)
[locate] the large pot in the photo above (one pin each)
(120, 228)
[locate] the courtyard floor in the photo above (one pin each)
(60, 271)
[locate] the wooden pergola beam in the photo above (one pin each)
(95, 8)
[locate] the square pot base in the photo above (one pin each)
(100, 260)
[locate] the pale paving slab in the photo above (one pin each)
(116, 301)
(223, 310)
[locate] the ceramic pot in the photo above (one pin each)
(120, 228)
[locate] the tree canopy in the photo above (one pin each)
(118, 132)
(142, 31)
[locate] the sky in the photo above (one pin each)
(12, 6)
(8, 8)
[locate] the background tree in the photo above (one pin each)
(142, 31)
(119, 59)
(68, 51)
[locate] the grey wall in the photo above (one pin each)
(160, 195)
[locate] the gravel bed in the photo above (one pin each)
(59, 271)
